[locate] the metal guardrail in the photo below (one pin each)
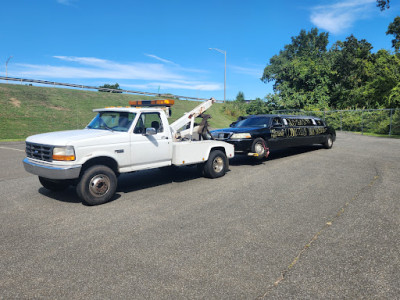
(80, 86)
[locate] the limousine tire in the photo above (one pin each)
(259, 146)
(328, 142)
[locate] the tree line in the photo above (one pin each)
(349, 75)
(307, 75)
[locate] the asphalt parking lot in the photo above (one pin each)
(307, 223)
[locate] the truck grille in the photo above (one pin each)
(38, 151)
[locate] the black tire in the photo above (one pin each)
(216, 165)
(97, 185)
(328, 142)
(259, 146)
(54, 184)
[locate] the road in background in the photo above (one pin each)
(306, 223)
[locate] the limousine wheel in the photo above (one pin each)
(329, 142)
(260, 147)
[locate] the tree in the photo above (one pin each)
(307, 76)
(383, 4)
(255, 107)
(394, 29)
(382, 90)
(301, 71)
(108, 87)
(240, 97)
(350, 61)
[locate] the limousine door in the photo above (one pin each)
(278, 134)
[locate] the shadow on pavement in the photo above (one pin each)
(239, 160)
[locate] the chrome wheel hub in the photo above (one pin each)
(99, 185)
(259, 148)
(218, 164)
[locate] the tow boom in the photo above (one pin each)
(189, 117)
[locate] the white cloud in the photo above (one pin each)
(254, 72)
(198, 86)
(91, 67)
(160, 59)
(338, 17)
(144, 75)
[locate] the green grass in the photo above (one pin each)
(27, 110)
(393, 136)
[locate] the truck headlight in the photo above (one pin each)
(241, 136)
(64, 153)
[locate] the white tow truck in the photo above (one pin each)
(121, 140)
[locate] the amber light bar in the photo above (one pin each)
(167, 102)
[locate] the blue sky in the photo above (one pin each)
(157, 45)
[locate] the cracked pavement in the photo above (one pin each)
(307, 223)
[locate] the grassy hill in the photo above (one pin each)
(27, 110)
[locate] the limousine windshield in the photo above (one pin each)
(253, 122)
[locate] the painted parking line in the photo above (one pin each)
(9, 148)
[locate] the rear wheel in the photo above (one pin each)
(97, 185)
(216, 165)
(54, 185)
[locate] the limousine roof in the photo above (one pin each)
(283, 116)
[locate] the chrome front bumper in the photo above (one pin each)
(51, 171)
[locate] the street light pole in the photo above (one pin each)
(223, 52)
(7, 64)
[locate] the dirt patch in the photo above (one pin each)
(15, 102)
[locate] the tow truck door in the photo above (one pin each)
(153, 150)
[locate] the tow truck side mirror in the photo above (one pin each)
(151, 131)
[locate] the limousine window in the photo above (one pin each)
(299, 122)
(253, 122)
(277, 122)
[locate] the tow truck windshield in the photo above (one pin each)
(111, 120)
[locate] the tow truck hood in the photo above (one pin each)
(70, 137)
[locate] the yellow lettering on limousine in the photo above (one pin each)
(297, 132)
(277, 133)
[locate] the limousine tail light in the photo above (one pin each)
(241, 136)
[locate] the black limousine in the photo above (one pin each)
(255, 135)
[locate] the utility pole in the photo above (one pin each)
(7, 64)
(223, 52)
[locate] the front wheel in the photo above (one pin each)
(54, 185)
(259, 146)
(216, 165)
(328, 142)
(97, 185)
